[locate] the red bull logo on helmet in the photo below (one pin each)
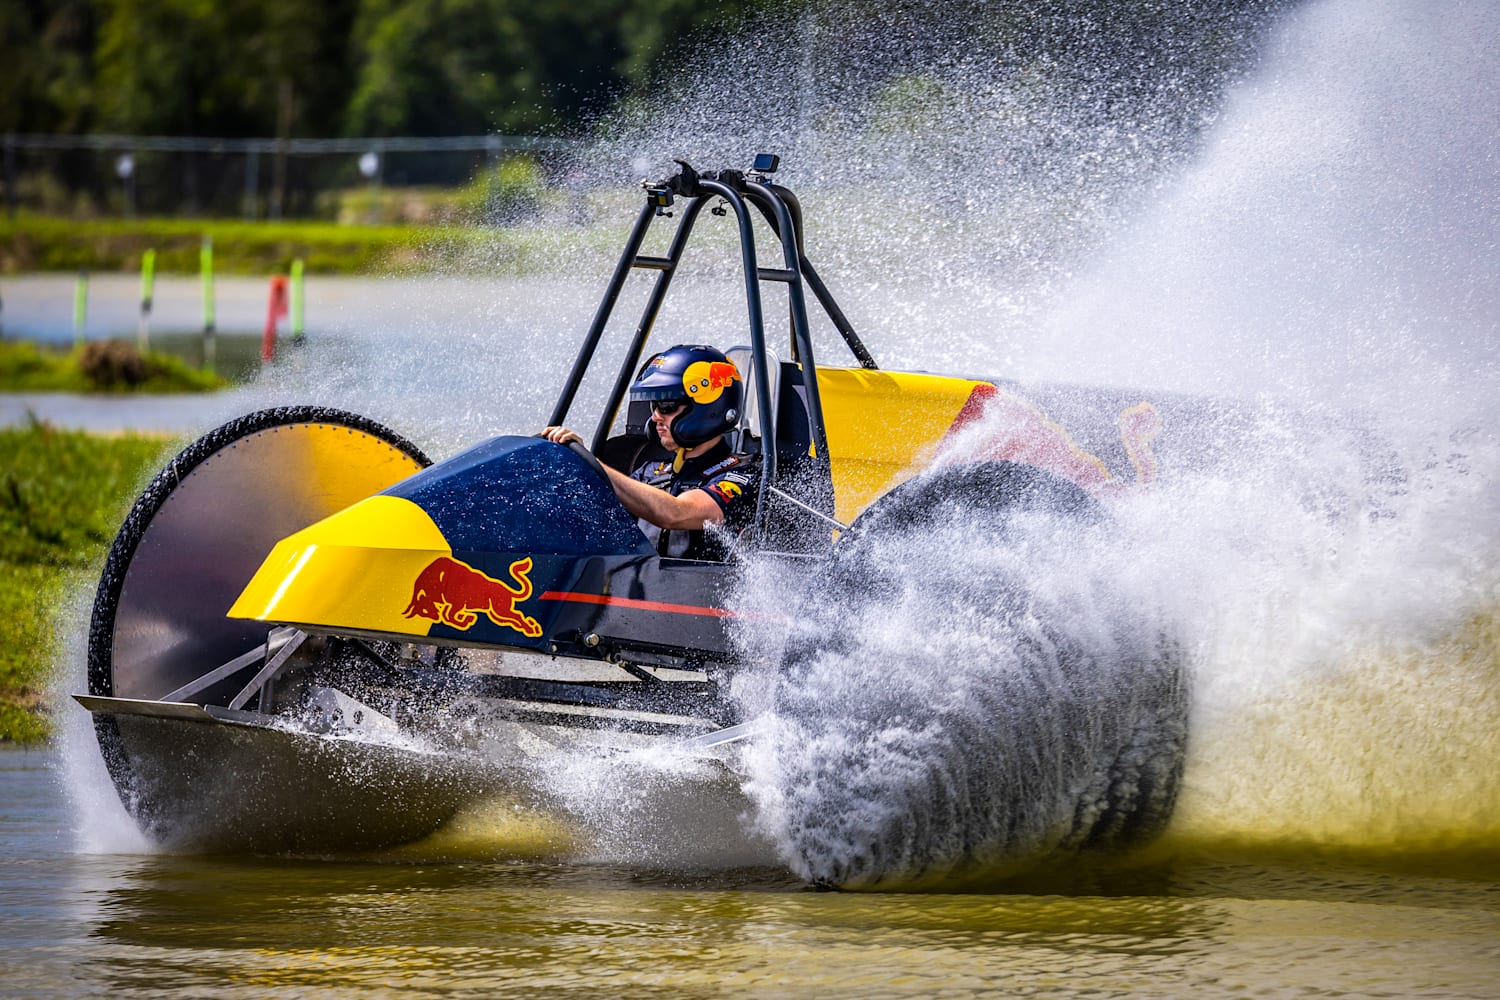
(705, 381)
(454, 593)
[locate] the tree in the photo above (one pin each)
(434, 67)
(220, 67)
(46, 49)
(444, 68)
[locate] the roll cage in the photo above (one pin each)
(738, 190)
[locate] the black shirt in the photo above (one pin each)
(729, 479)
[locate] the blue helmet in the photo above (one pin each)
(704, 379)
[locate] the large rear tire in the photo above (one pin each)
(995, 491)
(961, 700)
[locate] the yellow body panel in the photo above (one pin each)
(882, 428)
(330, 573)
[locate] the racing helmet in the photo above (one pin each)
(702, 378)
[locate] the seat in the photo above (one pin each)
(748, 436)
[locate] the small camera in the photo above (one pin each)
(766, 163)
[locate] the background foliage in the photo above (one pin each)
(254, 68)
(555, 72)
(242, 68)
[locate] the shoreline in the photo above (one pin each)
(165, 415)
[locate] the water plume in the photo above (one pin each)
(1330, 258)
(977, 683)
(1321, 547)
(1337, 238)
(958, 162)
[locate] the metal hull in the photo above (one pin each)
(199, 778)
(199, 781)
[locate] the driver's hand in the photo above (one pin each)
(561, 435)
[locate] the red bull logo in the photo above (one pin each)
(705, 381)
(454, 593)
(727, 490)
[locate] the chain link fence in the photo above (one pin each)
(358, 179)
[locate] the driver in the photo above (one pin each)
(695, 394)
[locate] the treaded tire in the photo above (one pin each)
(949, 714)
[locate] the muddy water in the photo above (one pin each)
(136, 925)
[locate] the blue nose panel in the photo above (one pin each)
(525, 495)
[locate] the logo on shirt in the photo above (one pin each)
(728, 463)
(727, 490)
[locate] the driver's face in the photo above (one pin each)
(663, 422)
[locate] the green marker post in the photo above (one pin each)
(148, 283)
(206, 268)
(80, 306)
(297, 325)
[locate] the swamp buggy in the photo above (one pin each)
(308, 637)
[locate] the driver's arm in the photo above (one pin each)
(690, 511)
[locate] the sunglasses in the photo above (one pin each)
(667, 407)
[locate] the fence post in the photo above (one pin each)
(370, 164)
(252, 184)
(80, 307)
(275, 310)
(298, 327)
(148, 281)
(206, 269)
(12, 197)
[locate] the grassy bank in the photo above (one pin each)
(37, 243)
(62, 497)
(109, 366)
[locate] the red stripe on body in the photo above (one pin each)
(973, 407)
(631, 602)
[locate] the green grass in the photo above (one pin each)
(31, 367)
(63, 495)
(40, 243)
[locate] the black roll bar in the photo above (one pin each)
(819, 289)
(601, 315)
(760, 193)
(783, 212)
(757, 342)
(667, 267)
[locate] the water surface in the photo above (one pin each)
(157, 925)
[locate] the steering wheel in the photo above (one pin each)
(589, 458)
